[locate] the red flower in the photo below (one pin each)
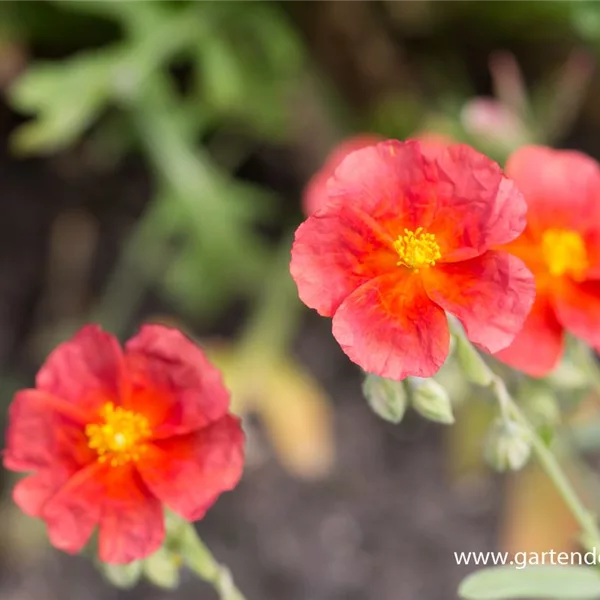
(110, 436)
(561, 246)
(405, 237)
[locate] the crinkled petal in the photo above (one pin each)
(391, 328)
(491, 295)
(537, 349)
(172, 382)
(315, 194)
(561, 187)
(44, 433)
(391, 182)
(132, 522)
(477, 206)
(334, 252)
(31, 493)
(189, 472)
(74, 511)
(578, 309)
(85, 370)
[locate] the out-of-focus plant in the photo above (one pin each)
(198, 238)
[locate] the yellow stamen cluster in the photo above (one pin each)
(565, 253)
(417, 249)
(120, 438)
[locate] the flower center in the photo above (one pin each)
(564, 252)
(119, 439)
(417, 249)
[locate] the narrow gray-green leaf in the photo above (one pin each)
(546, 582)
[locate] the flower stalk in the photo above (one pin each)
(510, 411)
(197, 557)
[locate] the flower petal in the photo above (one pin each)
(538, 347)
(477, 207)
(578, 309)
(31, 493)
(132, 522)
(391, 328)
(391, 182)
(561, 187)
(85, 370)
(172, 382)
(189, 472)
(74, 511)
(491, 295)
(334, 252)
(43, 435)
(315, 194)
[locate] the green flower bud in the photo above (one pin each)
(122, 576)
(431, 400)
(508, 446)
(539, 403)
(387, 398)
(162, 569)
(471, 362)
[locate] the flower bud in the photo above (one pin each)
(122, 576)
(471, 362)
(431, 400)
(387, 398)
(539, 403)
(162, 569)
(508, 446)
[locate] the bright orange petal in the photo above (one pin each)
(538, 347)
(491, 295)
(391, 328)
(578, 309)
(561, 187)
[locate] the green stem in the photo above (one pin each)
(547, 459)
(200, 560)
(551, 465)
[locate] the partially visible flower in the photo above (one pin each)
(561, 246)
(405, 237)
(110, 436)
(315, 192)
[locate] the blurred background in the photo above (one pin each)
(152, 167)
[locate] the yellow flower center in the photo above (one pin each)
(564, 252)
(417, 249)
(120, 438)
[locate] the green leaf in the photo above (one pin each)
(551, 582)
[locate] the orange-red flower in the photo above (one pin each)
(404, 237)
(111, 436)
(561, 246)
